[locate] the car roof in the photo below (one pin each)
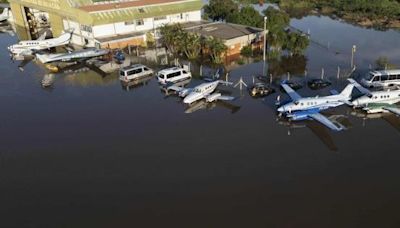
(132, 66)
(385, 72)
(169, 70)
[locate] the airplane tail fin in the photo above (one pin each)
(5, 12)
(347, 91)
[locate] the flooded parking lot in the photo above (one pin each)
(92, 152)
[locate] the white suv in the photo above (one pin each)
(134, 72)
(172, 75)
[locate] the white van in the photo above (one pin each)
(382, 78)
(133, 72)
(172, 75)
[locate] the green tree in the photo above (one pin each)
(191, 45)
(296, 43)
(220, 9)
(172, 37)
(246, 16)
(216, 49)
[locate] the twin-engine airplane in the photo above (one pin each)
(377, 101)
(310, 107)
(30, 47)
(202, 91)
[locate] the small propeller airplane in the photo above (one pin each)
(309, 108)
(5, 15)
(30, 47)
(377, 101)
(202, 91)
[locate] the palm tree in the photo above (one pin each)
(172, 37)
(191, 45)
(216, 49)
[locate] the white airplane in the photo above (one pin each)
(202, 91)
(29, 47)
(80, 55)
(377, 101)
(310, 107)
(5, 15)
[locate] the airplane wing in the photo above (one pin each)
(360, 87)
(292, 94)
(393, 110)
(325, 121)
(218, 96)
(225, 98)
(176, 88)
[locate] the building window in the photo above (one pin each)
(86, 28)
(160, 18)
(141, 10)
(129, 22)
(140, 22)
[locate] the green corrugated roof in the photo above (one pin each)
(67, 8)
(150, 11)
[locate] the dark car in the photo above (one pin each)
(119, 56)
(292, 84)
(260, 90)
(318, 84)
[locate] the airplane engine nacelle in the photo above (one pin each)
(183, 93)
(213, 97)
(299, 116)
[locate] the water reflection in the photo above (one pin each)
(322, 133)
(204, 105)
(390, 118)
(136, 83)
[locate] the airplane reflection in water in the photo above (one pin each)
(391, 118)
(323, 133)
(204, 105)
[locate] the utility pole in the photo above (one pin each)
(265, 45)
(353, 51)
(265, 39)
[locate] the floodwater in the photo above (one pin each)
(92, 153)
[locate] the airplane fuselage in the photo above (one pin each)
(77, 55)
(200, 92)
(27, 47)
(312, 103)
(381, 97)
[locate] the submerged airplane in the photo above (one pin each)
(30, 47)
(310, 107)
(80, 55)
(377, 101)
(202, 91)
(5, 15)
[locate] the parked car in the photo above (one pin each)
(133, 72)
(292, 84)
(119, 56)
(318, 84)
(261, 90)
(172, 75)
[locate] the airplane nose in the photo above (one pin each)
(187, 100)
(281, 109)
